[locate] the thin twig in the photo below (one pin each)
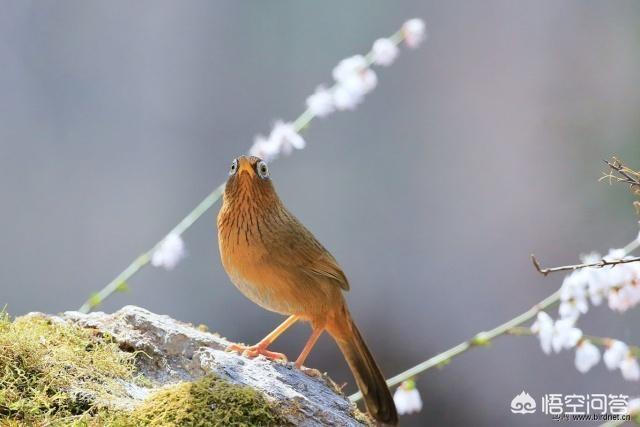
(602, 263)
(626, 175)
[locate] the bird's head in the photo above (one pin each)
(249, 177)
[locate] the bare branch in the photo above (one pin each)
(600, 264)
(618, 172)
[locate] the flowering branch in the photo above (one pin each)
(602, 263)
(353, 80)
(622, 293)
(604, 342)
(481, 339)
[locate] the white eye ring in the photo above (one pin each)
(262, 170)
(234, 167)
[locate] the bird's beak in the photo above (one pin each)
(245, 166)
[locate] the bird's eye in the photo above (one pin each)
(234, 167)
(262, 169)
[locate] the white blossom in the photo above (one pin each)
(630, 369)
(264, 148)
(565, 335)
(286, 138)
(384, 52)
(573, 295)
(169, 253)
(361, 83)
(557, 336)
(544, 328)
(407, 398)
(624, 298)
(414, 31)
(321, 102)
(346, 68)
(615, 354)
(345, 100)
(587, 356)
(573, 308)
(354, 76)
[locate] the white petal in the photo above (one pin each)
(568, 309)
(566, 336)
(344, 99)
(321, 102)
(615, 354)
(615, 254)
(348, 67)
(414, 32)
(353, 75)
(407, 401)
(544, 328)
(264, 148)
(587, 356)
(360, 83)
(384, 52)
(630, 369)
(286, 138)
(169, 253)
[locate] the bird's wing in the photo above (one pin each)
(300, 250)
(326, 267)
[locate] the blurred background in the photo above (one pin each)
(481, 147)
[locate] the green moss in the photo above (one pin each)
(55, 373)
(209, 401)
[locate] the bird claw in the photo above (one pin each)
(254, 351)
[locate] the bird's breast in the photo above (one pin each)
(246, 260)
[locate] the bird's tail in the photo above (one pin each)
(370, 380)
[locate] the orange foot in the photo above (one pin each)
(252, 351)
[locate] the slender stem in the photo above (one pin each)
(481, 339)
(299, 124)
(144, 259)
(632, 246)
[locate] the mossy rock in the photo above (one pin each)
(53, 373)
(136, 368)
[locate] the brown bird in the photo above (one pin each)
(278, 264)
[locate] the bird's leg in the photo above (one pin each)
(261, 348)
(315, 334)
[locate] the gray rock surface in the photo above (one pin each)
(179, 352)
